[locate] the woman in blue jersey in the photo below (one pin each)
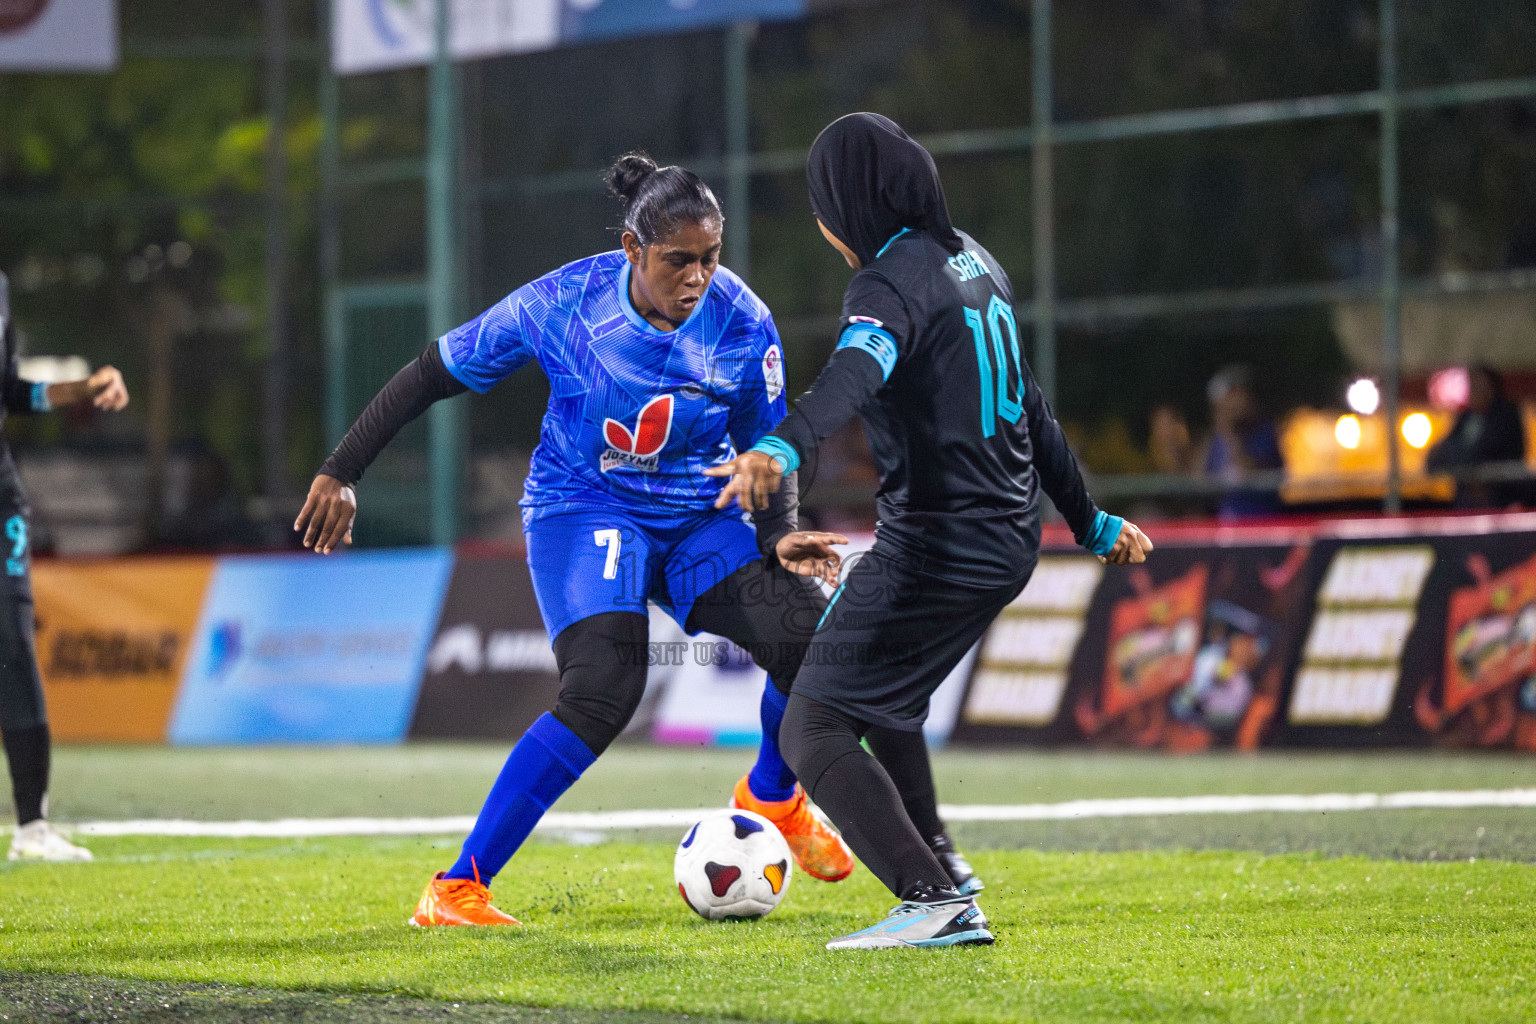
(661, 363)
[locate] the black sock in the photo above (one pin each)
(861, 801)
(27, 750)
(821, 743)
(904, 756)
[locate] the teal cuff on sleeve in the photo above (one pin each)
(1106, 530)
(779, 449)
(40, 401)
(876, 341)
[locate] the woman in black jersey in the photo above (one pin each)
(23, 715)
(929, 356)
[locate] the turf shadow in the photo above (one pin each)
(87, 999)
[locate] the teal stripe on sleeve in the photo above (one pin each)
(876, 341)
(1106, 530)
(779, 449)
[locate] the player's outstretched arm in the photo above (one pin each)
(754, 476)
(848, 380)
(104, 389)
(809, 553)
(326, 519)
(1130, 548)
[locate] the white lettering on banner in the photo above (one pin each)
(1027, 640)
(376, 35)
(504, 650)
(523, 650)
(1372, 635)
(362, 643)
(1352, 660)
(58, 35)
(459, 645)
(1015, 698)
(1343, 696)
(1060, 585)
(1040, 629)
(1393, 575)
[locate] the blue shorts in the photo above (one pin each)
(593, 560)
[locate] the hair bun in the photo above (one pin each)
(628, 173)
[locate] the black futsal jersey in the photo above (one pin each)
(16, 395)
(961, 436)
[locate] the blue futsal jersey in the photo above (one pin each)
(635, 413)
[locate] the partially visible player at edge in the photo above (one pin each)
(929, 355)
(660, 363)
(23, 714)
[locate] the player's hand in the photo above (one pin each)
(810, 553)
(106, 390)
(1131, 547)
(326, 518)
(754, 476)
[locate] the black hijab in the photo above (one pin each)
(869, 180)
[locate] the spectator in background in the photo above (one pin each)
(1488, 430)
(1243, 442)
(1168, 441)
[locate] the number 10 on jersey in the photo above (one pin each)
(1002, 385)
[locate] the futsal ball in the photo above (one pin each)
(732, 864)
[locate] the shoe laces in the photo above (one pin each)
(468, 894)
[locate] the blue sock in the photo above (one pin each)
(771, 778)
(542, 766)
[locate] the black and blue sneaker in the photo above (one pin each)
(927, 919)
(959, 869)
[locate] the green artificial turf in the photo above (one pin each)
(447, 778)
(1082, 937)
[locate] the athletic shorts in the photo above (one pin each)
(891, 635)
(593, 560)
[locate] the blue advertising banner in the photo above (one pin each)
(377, 35)
(582, 20)
(300, 649)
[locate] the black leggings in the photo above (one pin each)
(23, 714)
(822, 745)
(767, 611)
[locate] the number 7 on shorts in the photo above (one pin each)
(610, 538)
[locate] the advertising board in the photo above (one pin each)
(304, 649)
(112, 642)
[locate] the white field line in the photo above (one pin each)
(562, 821)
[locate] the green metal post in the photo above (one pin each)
(274, 412)
(1043, 200)
(738, 178)
(446, 419)
(1391, 280)
(335, 411)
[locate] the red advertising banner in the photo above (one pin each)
(1487, 695)
(1408, 632)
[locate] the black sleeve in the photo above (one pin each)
(854, 374)
(848, 381)
(15, 393)
(408, 394)
(1059, 473)
(780, 518)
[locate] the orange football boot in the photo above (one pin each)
(818, 849)
(456, 901)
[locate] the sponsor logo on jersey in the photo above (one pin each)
(773, 372)
(638, 449)
(866, 320)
